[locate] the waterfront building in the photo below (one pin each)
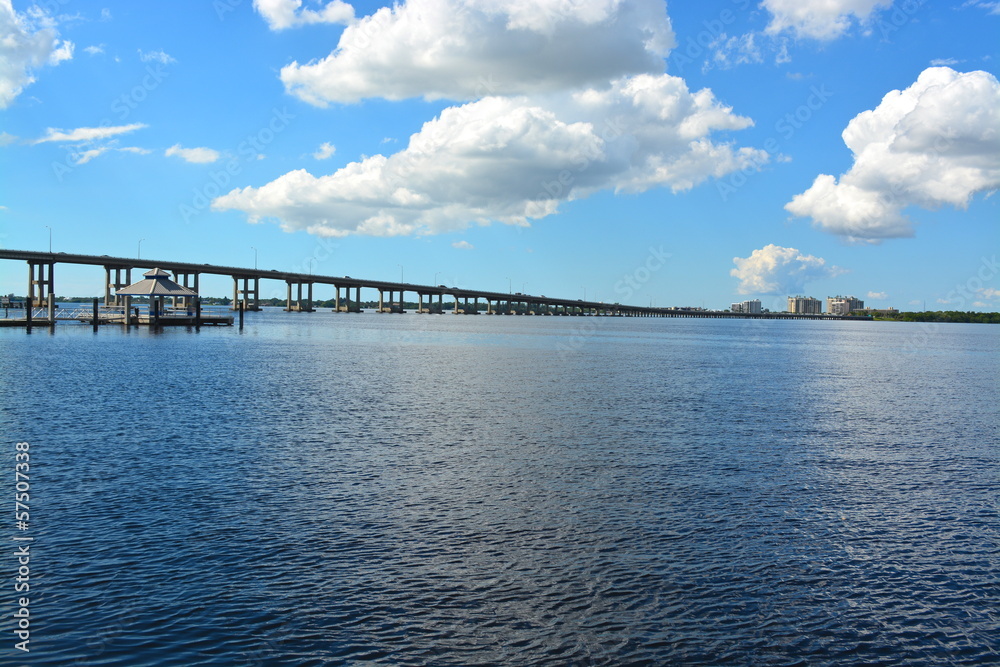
(752, 306)
(805, 305)
(843, 305)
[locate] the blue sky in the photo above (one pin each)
(742, 149)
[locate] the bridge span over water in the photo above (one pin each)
(300, 290)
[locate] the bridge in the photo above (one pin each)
(300, 290)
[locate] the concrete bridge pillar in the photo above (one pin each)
(246, 294)
(189, 280)
(111, 287)
(300, 305)
(40, 276)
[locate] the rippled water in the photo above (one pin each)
(444, 490)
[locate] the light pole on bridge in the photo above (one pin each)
(138, 250)
(254, 257)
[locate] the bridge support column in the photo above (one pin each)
(247, 295)
(116, 284)
(300, 305)
(420, 303)
(40, 276)
(402, 302)
(189, 280)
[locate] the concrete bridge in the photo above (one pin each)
(300, 290)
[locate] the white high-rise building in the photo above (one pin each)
(805, 305)
(752, 306)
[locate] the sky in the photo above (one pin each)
(631, 151)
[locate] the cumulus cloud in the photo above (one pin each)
(283, 14)
(83, 134)
(467, 49)
(326, 150)
(935, 143)
(513, 159)
(820, 19)
(463, 245)
(194, 155)
(28, 41)
(777, 270)
(878, 296)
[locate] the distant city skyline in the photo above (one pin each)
(640, 152)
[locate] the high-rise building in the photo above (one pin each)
(843, 305)
(752, 306)
(805, 305)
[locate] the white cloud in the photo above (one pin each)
(512, 160)
(28, 41)
(282, 14)
(156, 56)
(7, 139)
(463, 245)
(878, 296)
(83, 134)
(193, 155)
(990, 6)
(819, 19)
(326, 150)
(80, 155)
(729, 51)
(935, 143)
(94, 50)
(467, 49)
(777, 270)
(990, 293)
(942, 62)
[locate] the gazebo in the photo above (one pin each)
(156, 285)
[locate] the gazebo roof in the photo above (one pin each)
(156, 283)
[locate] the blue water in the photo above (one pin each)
(332, 489)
